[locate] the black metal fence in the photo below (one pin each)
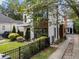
(27, 51)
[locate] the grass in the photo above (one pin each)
(7, 45)
(44, 54)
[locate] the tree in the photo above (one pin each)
(10, 7)
(14, 9)
(27, 34)
(77, 26)
(73, 4)
(14, 29)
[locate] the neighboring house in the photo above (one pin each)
(6, 24)
(48, 27)
(27, 24)
(69, 28)
(34, 30)
(53, 32)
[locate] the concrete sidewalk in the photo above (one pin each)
(76, 47)
(58, 54)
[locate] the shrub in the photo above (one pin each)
(20, 33)
(13, 36)
(27, 35)
(26, 53)
(36, 46)
(20, 39)
(14, 29)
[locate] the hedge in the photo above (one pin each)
(35, 47)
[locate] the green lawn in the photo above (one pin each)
(7, 45)
(44, 54)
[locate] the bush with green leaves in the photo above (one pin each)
(20, 39)
(27, 34)
(14, 29)
(20, 32)
(35, 47)
(13, 36)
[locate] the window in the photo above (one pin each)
(3, 27)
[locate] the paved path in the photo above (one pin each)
(60, 51)
(2, 41)
(68, 54)
(72, 52)
(76, 47)
(68, 51)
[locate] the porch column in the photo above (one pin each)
(25, 31)
(32, 30)
(31, 33)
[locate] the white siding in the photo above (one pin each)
(8, 27)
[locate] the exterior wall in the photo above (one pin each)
(51, 33)
(32, 31)
(28, 20)
(8, 27)
(69, 26)
(52, 28)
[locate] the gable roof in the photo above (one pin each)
(5, 19)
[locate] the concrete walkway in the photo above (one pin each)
(2, 41)
(76, 47)
(72, 52)
(68, 50)
(68, 54)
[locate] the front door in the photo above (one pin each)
(61, 31)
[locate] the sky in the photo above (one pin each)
(20, 1)
(1, 1)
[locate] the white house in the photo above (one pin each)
(6, 24)
(27, 24)
(69, 26)
(52, 26)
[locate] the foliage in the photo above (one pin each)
(27, 34)
(20, 39)
(14, 9)
(73, 4)
(44, 54)
(35, 47)
(14, 29)
(20, 33)
(77, 26)
(9, 8)
(13, 36)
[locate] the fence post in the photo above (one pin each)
(19, 52)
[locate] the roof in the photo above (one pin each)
(5, 19)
